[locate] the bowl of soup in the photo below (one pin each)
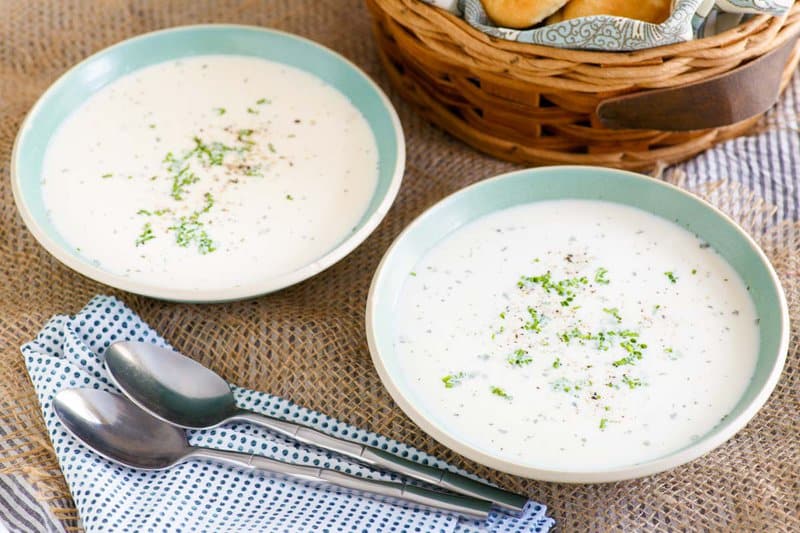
(577, 324)
(207, 163)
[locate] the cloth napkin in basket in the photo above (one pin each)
(689, 19)
(200, 496)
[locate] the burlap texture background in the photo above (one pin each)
(307, 343)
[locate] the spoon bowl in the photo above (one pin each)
(120, 431)
(170, 386)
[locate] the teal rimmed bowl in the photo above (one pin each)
(106, 66)
(577, 182)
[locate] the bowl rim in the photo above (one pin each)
(249, 290)
(654, 466)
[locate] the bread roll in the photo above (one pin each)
(558, 16)
(655, 11)
(520, 13)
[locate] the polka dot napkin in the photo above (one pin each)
(201, 496)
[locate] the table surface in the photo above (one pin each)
(307, 343)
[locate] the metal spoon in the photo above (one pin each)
(181, 391)
(115, 428)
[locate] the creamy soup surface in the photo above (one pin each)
(210, 172)
(576, 335)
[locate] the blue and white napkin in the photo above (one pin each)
(689, 19)
(199, 496)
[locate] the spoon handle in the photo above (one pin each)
(385, 491)
(378, 458)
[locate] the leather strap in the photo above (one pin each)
(746, 91)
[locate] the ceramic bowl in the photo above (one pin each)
(592, 183)
(85, 79)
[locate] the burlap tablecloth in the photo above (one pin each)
(307, 343)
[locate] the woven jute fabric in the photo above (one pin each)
(307, 343)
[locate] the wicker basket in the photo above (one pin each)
(540, 105)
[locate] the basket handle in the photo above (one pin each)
(746, 91)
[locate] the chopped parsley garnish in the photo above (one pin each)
(213, 153)
(107, 175)
(575, 333)
(628, 340)
(253, 171)
(671, 276)
(220, 110)
(694, 271)
(181, 180)
(632, 383)
(634, 349)
(252, 111)
(289, 197)
(624, 361)
(190, 229)
(497, 391)
(535, 323)
(157, 212)
(146, 235)
(501, 330)
(613, 311)
(271, 148)
(564, 288)
(603, 423)
(243, 136)
(603, 338)
(262, 101)
(209, 202)
(208, 154)
(566, 385)
(451, 380)
(562, 385)
(412, 273)
(600, 276)
(503, 315)
(519, 358)
(557, 363)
